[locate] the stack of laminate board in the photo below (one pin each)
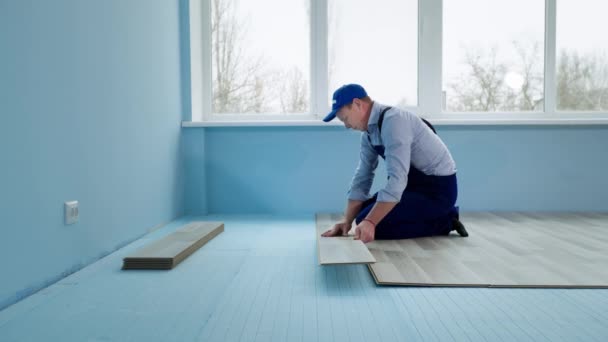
(169, 251)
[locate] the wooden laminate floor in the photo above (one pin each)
(503, 250)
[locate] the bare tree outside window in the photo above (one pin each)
(237, 81)
(481, 87)
(293, 91)
(488, 84)
(530, 63)
(582, 81)
(374, 45)
(582, 63)
(247, 81)
(261, 60)
(493, 60)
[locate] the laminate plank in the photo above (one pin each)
(339, 250)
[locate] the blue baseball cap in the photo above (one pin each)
(343, 96)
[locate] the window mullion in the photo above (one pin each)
(429, 57)
(318, 57)
(207, 72)
(200, 60)
(198, 55)
(550, 57)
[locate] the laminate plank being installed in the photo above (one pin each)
(339, 250)
(503, 250)
(169, 251)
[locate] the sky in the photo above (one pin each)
(376, 45)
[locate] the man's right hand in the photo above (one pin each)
(339, 229)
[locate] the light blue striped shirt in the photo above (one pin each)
(407, 140)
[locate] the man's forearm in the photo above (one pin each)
(380, 210)
(352, 209)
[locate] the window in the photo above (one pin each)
(278, 62)
(375, 45)
(260, 60)
(493, 55)
(582, 55)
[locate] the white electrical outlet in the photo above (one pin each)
(71, 212)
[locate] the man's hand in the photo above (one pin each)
(365, 231)
(339, 229)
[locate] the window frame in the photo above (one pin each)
(430, 54)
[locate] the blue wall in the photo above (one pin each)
(90, 106)
(194, 156)
(308, 169)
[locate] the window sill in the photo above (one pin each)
(436, 122)
(259, 123)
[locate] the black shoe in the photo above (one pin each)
(459, 227)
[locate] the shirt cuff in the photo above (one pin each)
(385, 196)
(357, 195)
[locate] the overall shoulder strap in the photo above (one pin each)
(381, 118)
(429, 124)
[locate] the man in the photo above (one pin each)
(420, 193)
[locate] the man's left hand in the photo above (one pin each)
(365, 231)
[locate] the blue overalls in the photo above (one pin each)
(426, 207)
